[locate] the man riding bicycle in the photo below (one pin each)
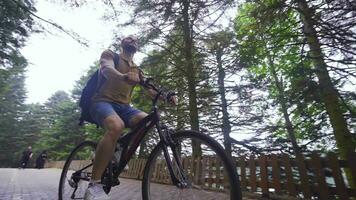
(111, 108)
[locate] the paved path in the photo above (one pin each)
(34, 184)
(28, 184)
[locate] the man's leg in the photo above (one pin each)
(136, 119)
(114, 126)
(25, 163)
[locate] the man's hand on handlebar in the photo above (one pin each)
(171, 99)
(132, 78)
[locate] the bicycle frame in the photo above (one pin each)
(132, 140)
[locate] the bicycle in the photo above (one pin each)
(185, 172)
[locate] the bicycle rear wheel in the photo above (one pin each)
(210, 175)
(76, 172)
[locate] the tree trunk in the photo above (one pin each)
(344, 140)
(190, 75)
(284, 107)
(226, 126)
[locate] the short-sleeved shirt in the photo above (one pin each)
(115, 90)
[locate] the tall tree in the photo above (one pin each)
(63, 132)
(15, 26)
(12, 97)
(345, 141)
(220, 45)
(189, 18)
(327, 55)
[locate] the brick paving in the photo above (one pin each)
(34, 184)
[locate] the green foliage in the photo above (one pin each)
(62, 132)
(62, 115)
(269, 46)
(265, 78)
(12, 96)
(16, 24)
(16, 130)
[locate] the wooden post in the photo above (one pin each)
(336, 172)
(252, 179)
(289, 173)
(303, 177)
(264, 176)
(322, 188)
(351, 159)
(210, 171)
(219, 176)
(159, 171)
(242, 164)
(276, 174)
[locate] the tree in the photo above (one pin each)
(345, 141)
(188, 19)
(325, 55)
(12, 97)
(220, 44)
(15, 26)
(32, 123)
(63, 132)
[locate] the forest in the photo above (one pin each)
(276, 77)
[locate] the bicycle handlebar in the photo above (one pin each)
(147, 83)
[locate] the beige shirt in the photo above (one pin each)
(112, 87)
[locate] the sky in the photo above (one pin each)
(56, 60)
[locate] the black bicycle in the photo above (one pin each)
(173, 169)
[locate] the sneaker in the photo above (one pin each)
(95, 191)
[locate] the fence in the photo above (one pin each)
(304, 177)
(309, 177)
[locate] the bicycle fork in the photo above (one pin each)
(179, 178)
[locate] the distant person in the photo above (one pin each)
(41, 160)
(26, 157)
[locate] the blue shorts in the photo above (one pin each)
(100, 110)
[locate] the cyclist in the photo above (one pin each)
(111, 108)
(26, 157)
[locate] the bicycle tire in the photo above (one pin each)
(234, 192)
(72, 156)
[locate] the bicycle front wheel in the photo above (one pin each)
(77, 172)
(209, 174)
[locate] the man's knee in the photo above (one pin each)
(114, 126)
(137, 118)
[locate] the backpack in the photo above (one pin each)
(88, 92)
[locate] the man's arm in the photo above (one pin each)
(107, 66)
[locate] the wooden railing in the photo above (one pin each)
(315, 176)
(305, 177)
